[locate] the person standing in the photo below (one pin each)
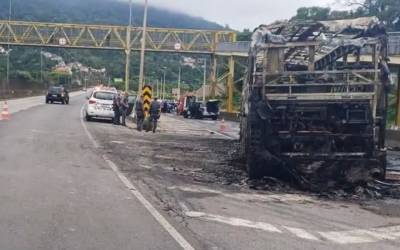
(139, 109)
(116, 108)
(124, 107)
(155, 109)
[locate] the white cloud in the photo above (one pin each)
(239, 14)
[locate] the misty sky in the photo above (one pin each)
(240, 14)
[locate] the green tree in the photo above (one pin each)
(245, 35)
(312, 13)
(386, 10)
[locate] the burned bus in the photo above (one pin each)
(315, 99)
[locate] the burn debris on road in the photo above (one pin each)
(160, 161)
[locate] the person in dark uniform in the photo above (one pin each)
(155, 109)
(139, 109)
(124, 107)
(116, 108)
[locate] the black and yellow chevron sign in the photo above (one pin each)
(147, 96)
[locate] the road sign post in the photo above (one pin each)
(147, 97)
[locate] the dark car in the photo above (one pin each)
(198, 110)
(168, 107)
(57, 94)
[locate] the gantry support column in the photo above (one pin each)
(128, 58)
(397, 121)
(213, 77)
(229, 87)
(127, 68)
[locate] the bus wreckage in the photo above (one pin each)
(315, 100)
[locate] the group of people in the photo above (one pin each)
(120, 107)
(154, 114)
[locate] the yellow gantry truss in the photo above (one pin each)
(111, 37)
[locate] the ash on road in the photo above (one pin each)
(189, 170)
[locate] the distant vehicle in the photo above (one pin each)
(198, 110)
(100, 104)
(184, 103)
(168, 106)
(57, 94)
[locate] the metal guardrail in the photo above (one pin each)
(394, 43)
(243, 47)
(233, 47)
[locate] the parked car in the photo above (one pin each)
(198, 110)
(100, 104)
(168, 106)
(57, 94)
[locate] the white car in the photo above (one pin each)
(100, 104)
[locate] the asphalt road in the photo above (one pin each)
(69, 184)
(188, 169)
(57, 192)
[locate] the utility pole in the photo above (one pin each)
(142, 51)
(128, 48)
(179, 83)
(41, 67)
(8, 46)
(204, 80)
(157, 89)
(163, 90)
(161, 87)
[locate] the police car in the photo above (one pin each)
(99, 103)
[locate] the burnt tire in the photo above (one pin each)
(254, 164)
(252, 142)
(88, 118)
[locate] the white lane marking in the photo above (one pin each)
(150, 208)
(247, 197)
(118, 142)
(234, 221)
(349, 237)
(94, 142)
(357, 236)
(392, 232)
(301, 233)
(363, 235)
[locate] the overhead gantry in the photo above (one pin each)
(127, 39)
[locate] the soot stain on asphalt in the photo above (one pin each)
(186, 160)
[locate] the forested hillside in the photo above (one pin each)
(98, 12)
(25, 62)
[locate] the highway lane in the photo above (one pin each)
(56, 190)
(20, 104)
